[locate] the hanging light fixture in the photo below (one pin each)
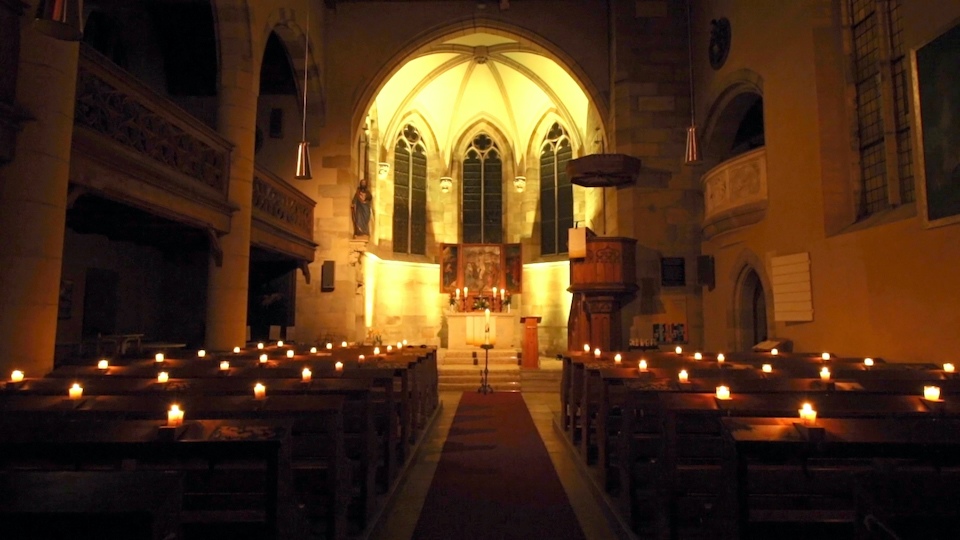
(304, 171)
(60, 19)
(692, 154)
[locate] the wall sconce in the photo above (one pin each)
(383, 170)
(445, 184)
(520, 183)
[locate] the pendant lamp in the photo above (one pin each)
(692, 154)
(304, 171)
(60, 19)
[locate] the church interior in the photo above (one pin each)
(432, 269)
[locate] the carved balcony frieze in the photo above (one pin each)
(735, 192)
(282, 215)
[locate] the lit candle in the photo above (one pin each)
(103, 365)
(260, 346)
(721, 358)
(683, 376)
(280, 343)
(948, 367)
(263, 359)
(174, 416)
(307, 374)
(361, 358)
(825, 356)
(389, 349)
(596, 353)
(259, 391)
(338, 366)
(343, 343)
(224, 366)
(75, 391)
(808, 416)
(494, 292)
(868, 362)
(466, 291)
(159, 357)
(236, 350)
(766, 368)
(376, 351)
(774, 352)
(723, 392)
(201, 353)
(313, 350)
(617, 358)
(290, 353)
(679, 350)
(697, 356)
(163, 377)
(586, 347)
(642, 365)
(502, 294)
(399, 345)
(825, 374)
(329, 346)
(931, 393)
(404, 343)
(458, 293)
(16, 376)
(486, 317)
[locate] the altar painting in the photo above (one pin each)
(482, 267)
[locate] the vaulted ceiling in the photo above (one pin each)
(486, 77)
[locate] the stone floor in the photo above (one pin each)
(401, 519)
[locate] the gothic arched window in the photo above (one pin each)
(482, 192)
(410, 193)
(556, 192)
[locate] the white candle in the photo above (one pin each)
(16, 376)
(486, 317)
(684, 377)
(825, 356)
(617, 358)
(948, 367)
(307, 374)
(808, 416)
(679, 350)
(376, 351)
(103, 365)
(466, 291)
(343, 343)
(404, 343)
(389, 349)
(931, 393)
(774, 352)
(163, 377)
(596, 353)
(721, 358)
(75, 391)
(313, 350)
(502, 294)
(868, 362)
(338, 366)
(280, 343)
(458, 293)
(766, 368)
(159, 357)
(236, 350)
(263, 359)
(361, 358)
(494, 292)
(290, 353)
(586, 347)
(399, 345)
(697, 356)
(224, 365)
(201, 353)
(260, 346)
(723, 392)
(259, 391)
(174, 416)
(642, 365)
(825, 374)
(329, 346)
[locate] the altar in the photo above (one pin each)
(467, 330)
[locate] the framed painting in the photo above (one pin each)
(513, 268)
(482, 266)
(449, 267)
(936, 100)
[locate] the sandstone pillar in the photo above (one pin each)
(33, 199)
(227, 287)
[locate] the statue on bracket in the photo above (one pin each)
(361, 210)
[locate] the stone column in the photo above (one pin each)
(33, 199)
(227, 287)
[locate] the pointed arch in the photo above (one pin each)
(410, 192)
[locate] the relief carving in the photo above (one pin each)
(608, 255)
(735, 182)
(274, 203)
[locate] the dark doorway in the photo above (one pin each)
(753, 311)
(272, 294)
(100, 302)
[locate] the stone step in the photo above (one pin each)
(473, 386)
(494, 376)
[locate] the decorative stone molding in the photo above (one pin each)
(282, 216)
(735, 188)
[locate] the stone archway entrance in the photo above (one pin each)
(752, 316)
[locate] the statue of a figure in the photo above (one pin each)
(361, 210)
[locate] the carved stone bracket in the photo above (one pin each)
(216, 251)
(305, 268)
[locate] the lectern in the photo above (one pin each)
(531, 343)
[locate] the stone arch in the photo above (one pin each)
(751, 285)
(736, 94)
(542, 127)
(234, 39)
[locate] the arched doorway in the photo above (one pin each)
(752, 316)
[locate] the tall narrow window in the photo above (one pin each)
(482, 192)
(886, 162)
(556, 192)
(410, 194)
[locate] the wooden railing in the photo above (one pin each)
(277, 203)
(116, 106)
(735, 192)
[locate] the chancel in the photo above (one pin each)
(566, 269)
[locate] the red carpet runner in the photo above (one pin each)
(495, 479)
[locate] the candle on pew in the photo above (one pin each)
(163, 377)
(684, 377)
(642, 365)
(723, 392)
(596, 353)
(159, 357)
(617, 359)
(404, 343)
(697, 356)
(103, 365)
(399, 345)
(260, 346)
(16, 376)
(808, 415)
(259, 391)
(679, 350)
(774, 351)
(868, 362)
(389, 349)
(931, 393)
(825, 374)
(948, 367)
(75, 391)
(721, 358)
(174, 416)
(361, 358)
(338, 366)
(586, 347)
(290, 353)
(280, 343)
(224, 366)
(236, 350)
(307, 374)
(766, 368)
(202, 353)
(825, 356)
(263, 359)
(329, 346)
(343, 344)
(313, 350)
(376, 351)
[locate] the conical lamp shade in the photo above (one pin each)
(304, 171)
(692, 156)
(60, 19)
